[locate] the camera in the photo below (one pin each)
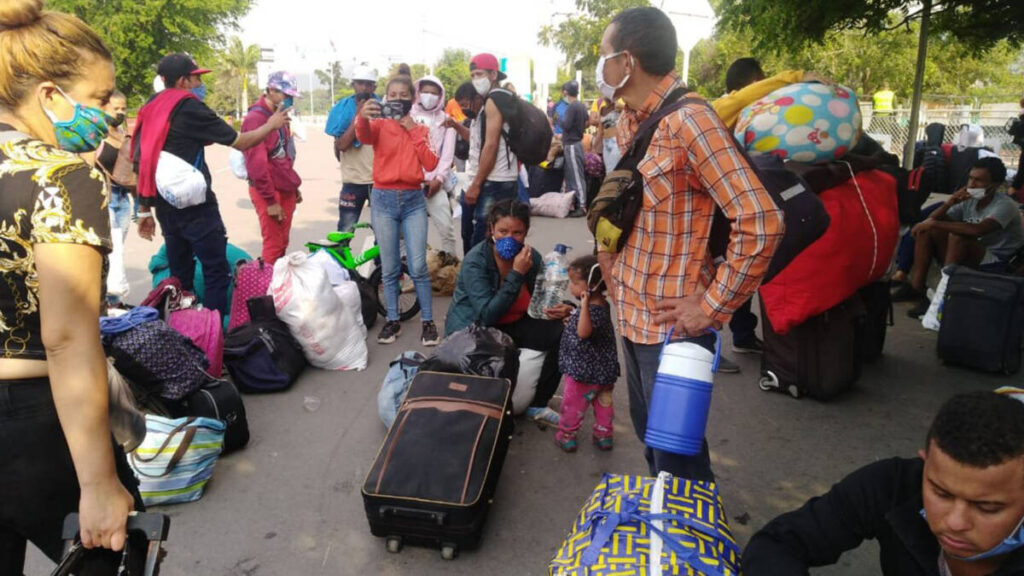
(393, 110)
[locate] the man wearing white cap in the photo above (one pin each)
(273, 182)
(356, 158)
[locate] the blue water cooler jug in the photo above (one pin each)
(681, 398)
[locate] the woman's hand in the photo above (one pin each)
(558, 312)
(103, 514)
(524, 260)
(370, 110)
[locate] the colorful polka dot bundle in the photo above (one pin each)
(806, 122)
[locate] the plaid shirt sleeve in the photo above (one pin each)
(757, 223)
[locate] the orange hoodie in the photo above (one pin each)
(400, 156)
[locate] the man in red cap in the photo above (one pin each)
(172, 131)
(492, 168)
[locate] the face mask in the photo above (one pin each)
(288, 102)
(429, 101)
(406, 106)
(114, 121)
(1012, 542)
(200, 92)
(85, 130)
(508, 247)
(977, 192)
(607, 90)
(482, 85)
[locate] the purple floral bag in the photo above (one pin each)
(158, 358)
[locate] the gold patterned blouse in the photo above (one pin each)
(46, 196)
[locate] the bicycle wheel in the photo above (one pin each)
(408, 303)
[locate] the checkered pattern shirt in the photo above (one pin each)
(691, 166)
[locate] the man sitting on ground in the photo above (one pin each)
(978, 227)
(956, 510)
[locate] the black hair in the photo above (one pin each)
(403, 70)
(979, 429)
(583, 265)
(509, 208)
(401, 79)
(649, 36)
(465, 91)
(742, 73)
(431, 83)
(996, 168)
(571, 88)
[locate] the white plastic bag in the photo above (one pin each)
(335, 273)
(933, 317)
(530, 363)
(553, 204)
(348, 291)
(236, 161)
(180, 183)
(326, 328)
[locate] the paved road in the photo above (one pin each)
(289, 504)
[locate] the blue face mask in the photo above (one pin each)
(1012, 542)
(288, 102)
(84, 132)
(200, 92)
(508, 247)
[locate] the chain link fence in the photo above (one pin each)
(891, 130)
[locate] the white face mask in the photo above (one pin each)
(482, 85)
(977, 192)
(607, 90)
(429, 101)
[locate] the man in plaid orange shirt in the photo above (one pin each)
(664, 275)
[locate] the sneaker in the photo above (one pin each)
(544, 416)
(905, 293)
(751, 346)
(566, 444)
(726, 366)
(920, 309)
(429, 335)
(604, 444)
(389, 333)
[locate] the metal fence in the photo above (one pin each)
(891, 130)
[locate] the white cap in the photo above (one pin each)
(365, 73)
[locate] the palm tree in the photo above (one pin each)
(239, 63)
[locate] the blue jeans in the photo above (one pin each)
(197, 231)
(905, 250)
(350, 203)
(121, 210)
(490, 194)
(641, 367)
(400, 214)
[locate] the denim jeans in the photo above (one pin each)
(197, 231)
(743, 323)
(350, 203)
(120, 208)
(490, 194)
(38, 486)
(575, 172)
(641, 368)
(398, 214)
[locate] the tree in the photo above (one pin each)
(980, 24)
(140, 32)
(239, 67)
(579, 35)
(452, 69)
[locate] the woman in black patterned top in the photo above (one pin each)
(57, 454)
(588, 358)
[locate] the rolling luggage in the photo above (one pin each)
(146, 531)
(878, 316)
(982, 321)
(434, 477)
(818, 358)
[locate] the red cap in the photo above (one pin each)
(486, 61)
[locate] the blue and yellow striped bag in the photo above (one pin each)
(176, 460)
(649, 527)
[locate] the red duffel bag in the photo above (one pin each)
(855, 251)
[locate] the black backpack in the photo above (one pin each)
(529, 133)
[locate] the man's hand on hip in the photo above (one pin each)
(687, 315)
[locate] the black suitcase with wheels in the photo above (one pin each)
(434, 477)
(818, 358)
(982, 321)
(141, 555)
(878, 316)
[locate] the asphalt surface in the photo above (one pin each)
(290, 503)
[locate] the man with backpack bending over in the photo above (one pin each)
(492, 167)
(663, 273)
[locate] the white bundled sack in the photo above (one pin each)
(335, 273)
(932, 319)
(348, 291)
(326, 328)
(530, 364)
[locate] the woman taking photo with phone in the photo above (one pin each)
(57, 454)
(398, 207)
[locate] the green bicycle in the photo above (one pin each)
(371, 289)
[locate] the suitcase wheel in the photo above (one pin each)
(394, 544)
(769, 382)
(449, 551)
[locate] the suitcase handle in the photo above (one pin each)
(153, 526)
(413, 514)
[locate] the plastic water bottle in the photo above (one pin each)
(551, 284)
(681, 397)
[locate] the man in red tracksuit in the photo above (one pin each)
(273, 182)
